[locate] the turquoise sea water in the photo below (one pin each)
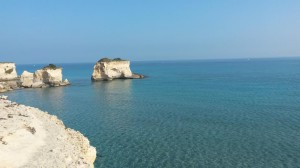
(218, 113)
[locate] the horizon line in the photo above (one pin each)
(156, 60)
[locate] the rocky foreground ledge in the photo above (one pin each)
(30, 137)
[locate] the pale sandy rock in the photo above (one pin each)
(111, 70)
(31, 138)
(13, 84)
(3, 97)
(108, 70)
(65, 83)
(4, 87)
(137, 76)
(26, 79)
(8, 76)
(38, 84)
(49, 76)
(8, 86)
(8, 71)
(43, 78)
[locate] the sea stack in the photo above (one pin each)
(8, 76)
(8, 71)
(109, 69)
(50, 75)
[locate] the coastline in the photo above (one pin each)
(30, 137)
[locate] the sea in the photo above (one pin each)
(233, 113)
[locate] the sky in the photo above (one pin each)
(74, 31)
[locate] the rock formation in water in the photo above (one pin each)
(30, 137)
(4, 87)
(48, 76)
(107, 69)
(27, 79)
(8, 76)
(8, 71)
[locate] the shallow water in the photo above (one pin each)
(219, 113)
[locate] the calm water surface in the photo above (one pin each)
(221, 113)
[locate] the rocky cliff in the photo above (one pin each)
(8, 71)
(106, 69)
(48, 76)
(32, 138)
(4, 87)
(8, 76)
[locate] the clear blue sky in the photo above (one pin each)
(59, 31)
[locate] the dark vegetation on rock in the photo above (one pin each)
(109, 60)
(9, 71)
(51, 66)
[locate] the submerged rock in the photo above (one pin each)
(107, 69)
(137, 76)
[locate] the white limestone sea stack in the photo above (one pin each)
(8, 76)
(8, 71)
(109, 69)
(32, 138)
(48, 76)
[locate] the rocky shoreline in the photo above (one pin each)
(30, 137)
(51, 75)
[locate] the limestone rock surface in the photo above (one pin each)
(49, 76)
(8, 71)
(38, 84)
(4, 87)
(65, 83)
(27, 79)
(31, 138)
(111, 69)
(43, 78)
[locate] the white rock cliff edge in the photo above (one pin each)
(8, 71)
(32, 138)
(8, 76)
